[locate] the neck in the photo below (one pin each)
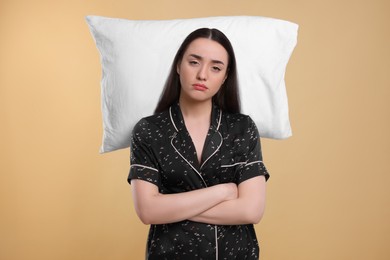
(195, 109)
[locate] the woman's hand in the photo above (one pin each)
(246, 208)
(230, 189)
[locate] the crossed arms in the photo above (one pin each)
(222, 204)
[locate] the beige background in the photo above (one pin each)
(328, 197)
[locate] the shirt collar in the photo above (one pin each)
(178, 119)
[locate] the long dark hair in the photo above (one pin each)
(227, 98)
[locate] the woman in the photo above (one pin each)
(196, 171)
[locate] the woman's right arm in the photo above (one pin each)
(152, 207)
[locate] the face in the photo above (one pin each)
(202, 70)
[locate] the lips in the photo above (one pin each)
(200, 87)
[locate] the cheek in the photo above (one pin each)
(183, 77)
(183, 72)
(220, 81)
(217, 88)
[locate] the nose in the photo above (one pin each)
(202, 73)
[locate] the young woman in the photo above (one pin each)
(196, 171)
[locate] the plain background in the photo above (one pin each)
(328, 195)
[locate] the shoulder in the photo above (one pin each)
(240, 122)
(151, 125)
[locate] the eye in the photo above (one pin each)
(216, 68)
(193, 62)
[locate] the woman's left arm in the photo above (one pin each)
(248, 208)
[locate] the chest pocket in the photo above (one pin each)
(229, 169)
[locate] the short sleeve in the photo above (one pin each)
(143, 163)
(253, 158)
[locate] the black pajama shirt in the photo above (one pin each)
(163, 153)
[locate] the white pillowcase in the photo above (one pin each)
(136, 57)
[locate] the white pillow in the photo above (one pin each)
(136, 57)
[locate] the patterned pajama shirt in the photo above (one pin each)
(163, 153)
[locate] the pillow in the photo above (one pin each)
(136, 57)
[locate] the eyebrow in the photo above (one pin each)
(200, 58)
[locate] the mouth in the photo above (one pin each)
(200, 87)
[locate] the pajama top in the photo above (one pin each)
(162, 153)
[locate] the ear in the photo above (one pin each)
(178, 67)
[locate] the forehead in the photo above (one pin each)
(207, 49)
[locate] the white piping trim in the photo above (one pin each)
(174, 136)
(253, 163)
(219, 146)
(170, 114)
(216, 241)
(143, 166)
(215, 226)
(237, 163)
(231, 165)
(216, 150)
(219, 121)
